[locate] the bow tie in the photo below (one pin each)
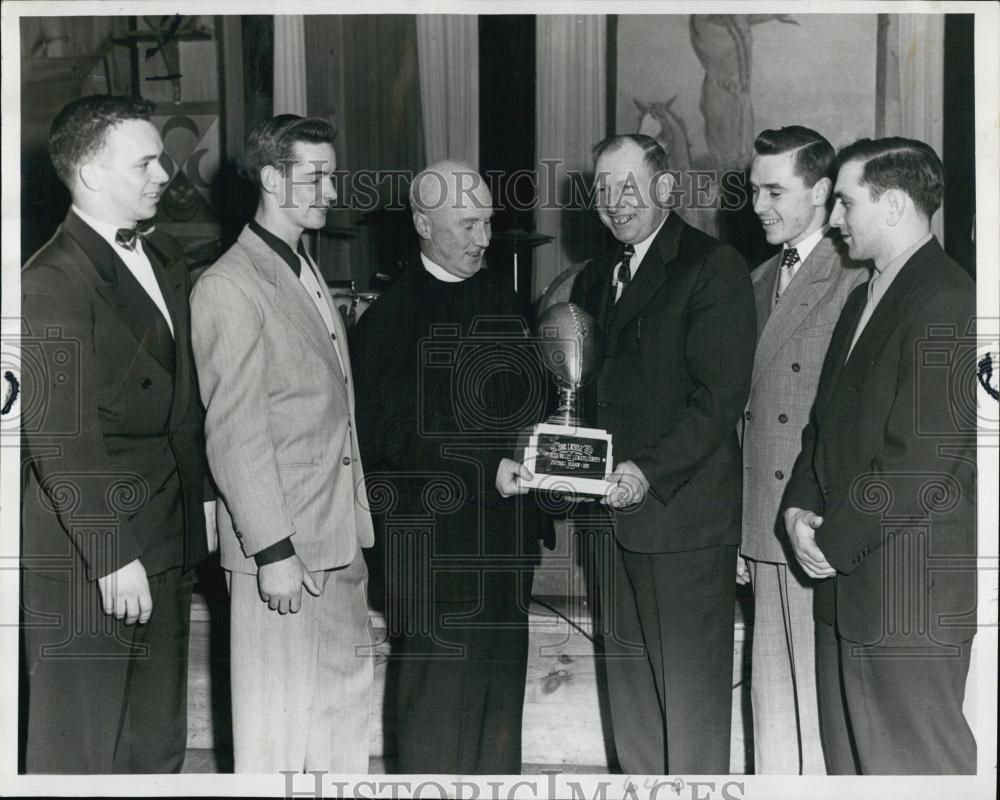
(128, 237)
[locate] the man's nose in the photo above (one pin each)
(160, 175)
(481, 236)
(759, 203)
(330, 192)
(837, 215)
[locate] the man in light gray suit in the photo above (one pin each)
(799, 295)
(276, 381)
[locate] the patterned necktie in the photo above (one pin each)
(787, 270)
(625, 270)
(128, 237)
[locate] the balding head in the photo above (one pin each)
(452, 207)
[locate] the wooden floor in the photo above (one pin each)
(565, 711)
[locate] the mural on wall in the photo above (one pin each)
(704, 85)
(187, 209)
(724, 46)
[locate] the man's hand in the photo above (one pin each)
(801, 526)
(742, 570)
(280, 584)
(125, 593)
(627, 486)
(509, 477)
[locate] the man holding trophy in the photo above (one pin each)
(673, 312)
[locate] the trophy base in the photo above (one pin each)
(568, 459)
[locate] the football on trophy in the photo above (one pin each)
(570, 344)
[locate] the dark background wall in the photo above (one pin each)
(363, 74)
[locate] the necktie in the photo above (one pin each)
(128, 237)
(866, 312)
(786, 271)
(625, 270)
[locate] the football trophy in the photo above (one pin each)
(562, 455)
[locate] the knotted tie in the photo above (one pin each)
(625, 270)
(128, 237)
(786, 271)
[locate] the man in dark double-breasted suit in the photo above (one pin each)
(676, 311)
(881, 506)
(113, 478)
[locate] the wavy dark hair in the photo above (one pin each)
(270, 144)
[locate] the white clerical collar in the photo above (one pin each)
(439, 272)
(106, 230)
(643, 247)
(807, 245)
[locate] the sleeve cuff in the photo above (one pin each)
(278, 551)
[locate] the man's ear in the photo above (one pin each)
(422, 224)
(821, 191)
(91, 175)
(895, 201)
(270, 179)
(664, 187)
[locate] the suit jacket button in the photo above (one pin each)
(746, 416)
(146, 383)
(347, 461)
(782, 418)
(826, 490)
(796, 367)
(779, 474)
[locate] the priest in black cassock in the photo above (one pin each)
(446, 379)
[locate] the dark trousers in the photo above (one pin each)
(104, 697)
(668, 641)
(456, 680)
(883, 713)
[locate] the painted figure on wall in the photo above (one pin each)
(724, 46)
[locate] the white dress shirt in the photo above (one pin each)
(640, 253)
(136, 260)
(316, 291)
(803, 249)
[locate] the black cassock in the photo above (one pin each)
(446, 378)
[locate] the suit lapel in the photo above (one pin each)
(884, 320)
(809, 285)
(764, 278)
(170, 275)
(650, 277)
(292, 300)
(115, 284)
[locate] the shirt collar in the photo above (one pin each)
(643, 247)
(439, 272)
(106, 230)
(889, 271)
(807, 245)
(279, 246)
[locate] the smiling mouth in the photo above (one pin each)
(768, 222)
(621, 219)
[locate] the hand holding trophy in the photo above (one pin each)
(563, 456)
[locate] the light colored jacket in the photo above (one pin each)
(279, 423)
(792, 340)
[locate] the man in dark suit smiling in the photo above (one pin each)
(112, 518)
(676, 311)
